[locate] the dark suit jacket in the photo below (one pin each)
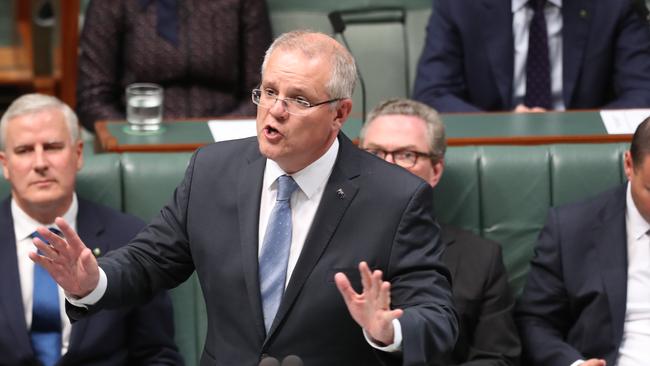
(210, 73)
(141, 335)
(573, 305)
(468, 57)
(384, 216)
(488, 335)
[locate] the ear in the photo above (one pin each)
(438, 169)
(342, 113)
(3, 160)
(628, 165)
(79, 151)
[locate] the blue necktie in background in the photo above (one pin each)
(538, 65)
(275, 251)
(46, 317)
(167, 22)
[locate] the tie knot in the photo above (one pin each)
(286, 186)
(537, 4)
(35, 234)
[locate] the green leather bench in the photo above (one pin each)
(500, 192)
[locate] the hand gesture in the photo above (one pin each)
(72, 265)
(371, 308)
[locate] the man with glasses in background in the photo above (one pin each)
(302, 243)
(411, 135)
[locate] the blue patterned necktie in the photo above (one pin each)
(274, 258)
(538, 65)
(46, 317)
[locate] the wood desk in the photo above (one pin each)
(461, 129)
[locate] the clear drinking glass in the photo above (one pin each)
(144, 103)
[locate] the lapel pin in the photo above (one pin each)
(583, 13)
(340, 193)
(97, 252)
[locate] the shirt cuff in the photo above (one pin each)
(396, 346)
(577, 363)
(93, 297)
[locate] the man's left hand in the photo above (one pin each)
(371, 308)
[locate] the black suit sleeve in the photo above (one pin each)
(543, 314)
(420, 284)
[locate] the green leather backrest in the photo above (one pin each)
(379, 48)
(149, 182)
(503, 192)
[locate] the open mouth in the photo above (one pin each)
(271, 132)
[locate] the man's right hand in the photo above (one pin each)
(594, 362)
(72, 265)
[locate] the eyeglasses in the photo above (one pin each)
(403, 158)
(295, 106)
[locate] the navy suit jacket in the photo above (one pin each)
(573, 305)
(468, 57)
(142, 335)
(488, 334)
(370, 210)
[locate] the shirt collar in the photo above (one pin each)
(637, 225)
(519, 4)
(311, 178)
(25, 225)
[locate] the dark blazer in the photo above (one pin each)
(488, 334)
(142, 335)
(211, 71)
(573, 305)
(468, 57)
(384, 217)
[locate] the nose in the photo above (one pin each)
(279, 109)
(40, 162)
(389, 157)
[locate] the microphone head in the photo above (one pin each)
(292, 360)
(269, 361)
(337, 21)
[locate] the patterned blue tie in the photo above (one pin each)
(538, 64)
(275, 251)
(46, 318)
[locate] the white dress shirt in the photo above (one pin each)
(304, 203)
(521, 18)
(24, 226)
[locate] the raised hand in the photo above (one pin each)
(371, 308)
(72, 265)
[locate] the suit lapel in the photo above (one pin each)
(248, 206)
(576, 20)
(496, 19)
(90, 229)
(330, 212)
(610, 240)
(12, 304)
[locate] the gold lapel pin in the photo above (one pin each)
(97, 252)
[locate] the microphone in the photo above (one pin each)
(336, 20)
(269, 361)
(292, 360)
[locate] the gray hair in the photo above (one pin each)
(435, 128)
(35, 103)
(344, 70)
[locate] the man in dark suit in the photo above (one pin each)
(41, 153)
(411, 135)
(587, 296)
(476, 54)
(283, 231)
